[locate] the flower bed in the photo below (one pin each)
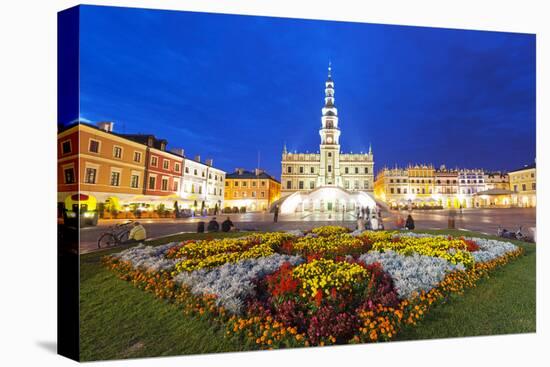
(324, 287)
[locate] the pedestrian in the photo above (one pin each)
(276, 213)
(409, 223)
(227, 225)
(137, 233)
(176, 209)
(374, 222)
(360, 224)
(200, 227)
(213, 225)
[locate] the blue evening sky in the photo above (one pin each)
(228, 87)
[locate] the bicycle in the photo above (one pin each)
(115, 236)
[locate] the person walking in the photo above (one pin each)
(360, 223)
(409, 223)
(276, 213)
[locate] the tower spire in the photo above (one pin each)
(284, 148)
(329, 70)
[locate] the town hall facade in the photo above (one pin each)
(329, 180)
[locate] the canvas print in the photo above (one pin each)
(236, 183)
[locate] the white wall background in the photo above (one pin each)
(27, 244)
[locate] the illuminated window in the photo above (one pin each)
(164, 184)
(137, 157)
(115, 178)
(301, 185)
(154, 161)
(289, 169)
(134, 181)
(176, 167)
(312, 170)
(288, 184)
(152, 182)
(117, 152)
(69, 175)
(91, 174)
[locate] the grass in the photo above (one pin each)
(121, 321)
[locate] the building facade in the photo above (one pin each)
(253, 190)
(340, 173)
(523, 183)
(133, 170)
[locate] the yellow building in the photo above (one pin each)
(254, 190)
(392, 187)
(523, 184)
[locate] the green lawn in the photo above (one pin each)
(121, 321)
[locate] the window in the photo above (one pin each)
(346, 170)
(254, 183)
(533, 186)
(166, 164)
(289, 169)
(226, 183)
(117, 152)
(94, 146)
(253, 194)
(202, 174)
(195, 172)
(399, 190)
(330, 154)
(186, 169)
(391, 190)
(311, 184)
(154, 161)
(289, 185)
(301, 169)
(91, 174)
(523, 187)
(235, 194)
(312, 170)
(164, 184)
(115, 178)
(244, 184)
(356, 184)
(404, 191)
(69, 175)
(329, 168)
(200, 189)
(134, 181)
(423, 190)
(366, 184)
(152, 182)
(391, 180)
(243, 194)
(263, 183)
(366, 170)
(301, 185)
(346, 184)
(236, 183)
(66, 147)
(176, 167)
(176, 186)
(356, 170)
(137, 157)
(262, 193)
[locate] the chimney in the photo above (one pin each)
(239, 170)
(258, 171)
(178, 151)
(106, 126)
(198, 158)
(209, 162)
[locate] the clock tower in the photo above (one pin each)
(329, 170)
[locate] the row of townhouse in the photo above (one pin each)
(426, 186)
(253, 190)
(122, 169)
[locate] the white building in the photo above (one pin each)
(202, 185)
(329, 180)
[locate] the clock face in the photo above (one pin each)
(329, 140)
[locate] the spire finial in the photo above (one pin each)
(370, 148)
(284, 148)
(329, 68)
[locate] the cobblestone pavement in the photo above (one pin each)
(480, 220)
